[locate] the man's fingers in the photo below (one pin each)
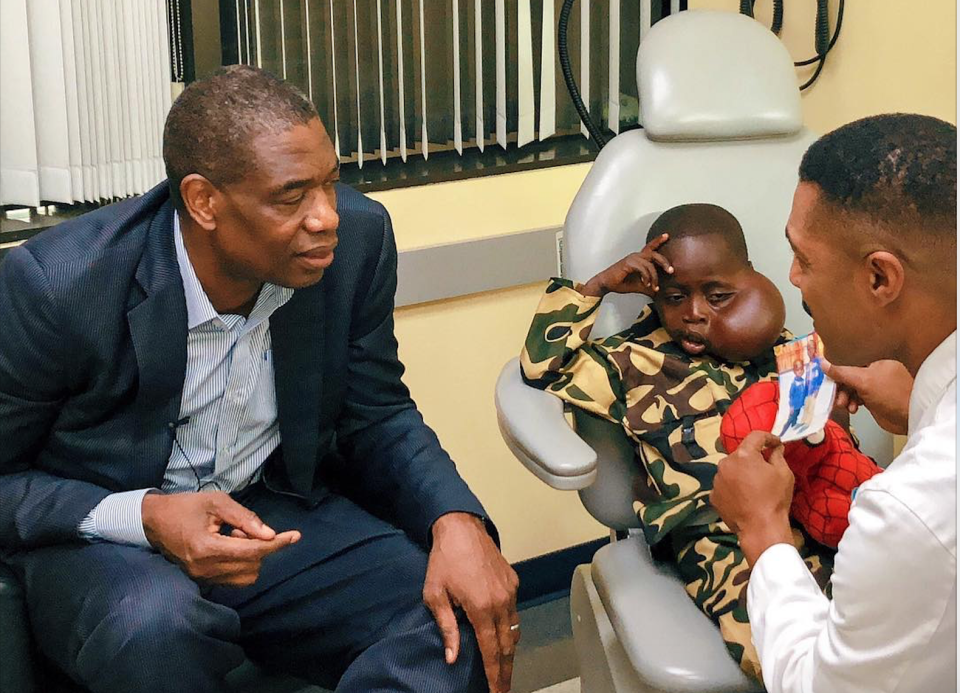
(776, 457)
(439, 604)
(489, 646)
(758, 441)
(849, 376)
(253, 549)
(231, 512)
(508, 639)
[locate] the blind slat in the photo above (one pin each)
(525, 108)
(613, 88)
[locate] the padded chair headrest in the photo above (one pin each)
(714, 75)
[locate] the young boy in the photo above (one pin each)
(667, 380)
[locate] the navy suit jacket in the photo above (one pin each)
(93, 334)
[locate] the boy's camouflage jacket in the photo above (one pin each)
(669, 403)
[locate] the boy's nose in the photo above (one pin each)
(696, 312)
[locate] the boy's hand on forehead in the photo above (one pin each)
(634, 274)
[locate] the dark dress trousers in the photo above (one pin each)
(93, 334)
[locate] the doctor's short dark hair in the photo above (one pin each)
(897, 169)
(211, 125)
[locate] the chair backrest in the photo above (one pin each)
(722, 124)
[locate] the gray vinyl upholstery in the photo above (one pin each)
(677, 649)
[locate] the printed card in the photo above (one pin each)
(806, 394)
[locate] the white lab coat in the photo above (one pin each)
(891, 626)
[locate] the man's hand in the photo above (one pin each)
(634, 274)
(185, 527)
(883, 387)
(753, 495)
(467, 570)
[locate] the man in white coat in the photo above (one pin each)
(874, 234)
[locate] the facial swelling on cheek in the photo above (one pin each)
(750, 323)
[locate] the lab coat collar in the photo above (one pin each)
(936, 373)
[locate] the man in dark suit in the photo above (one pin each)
(206, 445)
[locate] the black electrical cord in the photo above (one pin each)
(777, 24)
(568, 77)
(816, 73)
(747, 8)
(823, 46)
(822, 28)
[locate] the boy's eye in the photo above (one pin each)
(673, 298)
(719, 297)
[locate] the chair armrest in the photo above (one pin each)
(534, 428)
(671, 644)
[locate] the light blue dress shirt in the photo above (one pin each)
(228, 412)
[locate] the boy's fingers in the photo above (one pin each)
(659, 241)
(662, 261)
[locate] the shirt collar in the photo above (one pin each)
(199, 308)
(936, 373)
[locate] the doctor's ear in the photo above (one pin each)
(199, 198)
(886, 274)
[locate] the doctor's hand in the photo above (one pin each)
(753, 495)
(883, 387)
(185, 528)
(634, 274)
(467, 570)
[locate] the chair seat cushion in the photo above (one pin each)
(672, 645)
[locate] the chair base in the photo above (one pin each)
(604, 666)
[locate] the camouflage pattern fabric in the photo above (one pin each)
(667, 402)
(716, 574)
(670, 405)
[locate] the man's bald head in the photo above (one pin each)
(701, 219)
(890, 180)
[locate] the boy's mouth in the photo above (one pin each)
(692, 343)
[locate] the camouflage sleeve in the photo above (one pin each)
(558, 357)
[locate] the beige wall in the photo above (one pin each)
(886, 60)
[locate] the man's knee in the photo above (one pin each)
(139, 633)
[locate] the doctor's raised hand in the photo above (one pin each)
(752, 492)
(883, 387)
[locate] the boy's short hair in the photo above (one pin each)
(701, 219)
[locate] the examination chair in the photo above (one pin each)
(722, 123)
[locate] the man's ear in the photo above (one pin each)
(200, 197)
(886, 274)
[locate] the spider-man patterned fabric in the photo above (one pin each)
(827, 473)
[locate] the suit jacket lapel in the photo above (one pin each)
(158, 330)
(296, 331)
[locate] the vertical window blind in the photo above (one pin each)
(86, 88)
(395, 78)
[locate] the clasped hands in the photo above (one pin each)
(753, 487)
